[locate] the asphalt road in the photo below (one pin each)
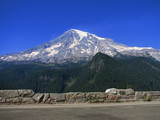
(116, 111)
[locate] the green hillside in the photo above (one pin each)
(102, 72)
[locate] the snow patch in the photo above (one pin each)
(86, 44)
(31, 54)
(110, 53)
(75, 42)
(156, 55)
(91, 42)
(88, 51)
(95, 49)
(50, 49)
(83, 50)
(9, 57)
(99, 38)
(34, 53)
(121, 48)
(54, 52)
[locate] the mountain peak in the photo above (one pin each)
(85, 34)
(80, 33)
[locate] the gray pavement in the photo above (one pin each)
(110, 111)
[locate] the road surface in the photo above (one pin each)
(110, 111)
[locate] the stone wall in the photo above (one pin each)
(120, 95)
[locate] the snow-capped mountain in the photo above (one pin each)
(75, 45)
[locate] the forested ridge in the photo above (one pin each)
(102, 72)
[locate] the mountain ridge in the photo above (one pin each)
(74, 46)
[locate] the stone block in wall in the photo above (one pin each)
(127, 96)
(76, 97)
(70, 98)
(16, 93)
(81, 100)
(96, 97)
(115, 91)
(112, 91)
(9, 93)
(101, 100)
(130, 92)
(2, 100)
(45, 98)
(49, 101)
(125, 91)
(93, 101)
(140, 95)
(17, 100)
(25, 93)
(124, 97)
(113, 98)
(69, 95)
(132, 97)
(79, 95)
(101, 95)
(27, 100)
(38, 97)
(144, 95)
(91, 95)
(9, 100)
(155, 95)
(58, 97)
(71, 101)
(121, 92)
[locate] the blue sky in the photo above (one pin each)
(27, 23)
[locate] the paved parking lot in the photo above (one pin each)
(112, 111)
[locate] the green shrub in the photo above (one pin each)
(147, 98)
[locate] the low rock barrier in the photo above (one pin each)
(121, 95)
